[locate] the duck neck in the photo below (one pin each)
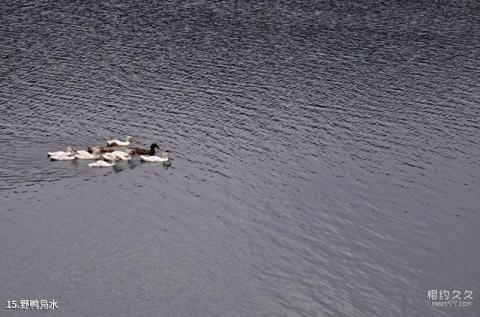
(152, 150)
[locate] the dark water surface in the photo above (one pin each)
(326, 157)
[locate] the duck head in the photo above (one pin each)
(93, 149)
(71, 150)
(154, 145)
(166, 154)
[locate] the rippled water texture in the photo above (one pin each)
(325, 157)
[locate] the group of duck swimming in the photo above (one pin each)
(108, 155)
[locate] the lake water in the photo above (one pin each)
(326, 157)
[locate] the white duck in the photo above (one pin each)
(120, 143)
(63, 157)
(156, 159)
(119, 155)
(101, 163)
(69, 151)
(85, 155)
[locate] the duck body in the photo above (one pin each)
(120, 143)
(85, 155)
(119, 155)
(106, 149)
(153, 158)
(140, 151)
(101, 163)
(69, 151)
(156, 159)
(62, 157)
